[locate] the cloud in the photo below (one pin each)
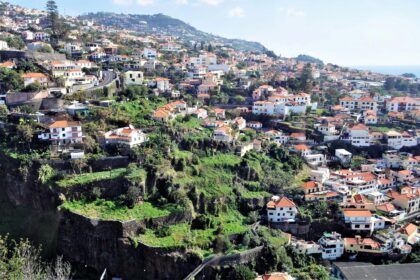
(122, 2)
(294, 12)
(212, 2)
(145, 2)
(237, 12)
(131, 2)
(181, 2)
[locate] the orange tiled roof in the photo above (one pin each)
(386, 207)
(301, 147)
(359, 127)
(64, 124)
(283, 202)
(357, 213)
(33, 75)
(408, 229)
(309, 185)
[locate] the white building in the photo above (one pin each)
(133, 78)
(398, 140)
(359, 136)
(63, 132)
(403, 104)
(281, 210)
(362, 220)
(162, 84)
(149, 53)
(128, 136)
(3, 45)
(320, 175)
(331, 246)
(343, 155)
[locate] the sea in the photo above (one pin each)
(391, 70)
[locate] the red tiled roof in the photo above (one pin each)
(357, 213)
(283, 202)
(64, 124)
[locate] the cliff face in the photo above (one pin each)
(92, 243)
(19, 183)
(106, 244)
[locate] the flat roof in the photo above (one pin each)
(368, 271)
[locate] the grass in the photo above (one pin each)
(276, 237)
(86, 178)
(382, 129)
(110, 210)
(303, 175)
(250, 194)
(191, 123)
(215, 174)
(182, 235)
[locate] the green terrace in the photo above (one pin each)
(88, 178)
(182, 235)
(111, 210)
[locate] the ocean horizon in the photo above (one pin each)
(391, 69)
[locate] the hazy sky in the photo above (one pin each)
(356, 32)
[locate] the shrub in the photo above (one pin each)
(163, 231)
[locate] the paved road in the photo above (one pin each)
(107, 78)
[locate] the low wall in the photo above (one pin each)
(293, 228)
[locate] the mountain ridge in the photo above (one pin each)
(167, 25)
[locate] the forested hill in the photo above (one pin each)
(159, 23)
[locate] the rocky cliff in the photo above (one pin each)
(106, 244)
(92, 243)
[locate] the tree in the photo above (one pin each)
(241, 272)
(389, 83)
(306, 78)
(239, 99)
(91, 146)
(45, 173)
(34, 87)
(45, 49)
(10, 80)
(13, 42)
(24, 133)
(20, 260)
(78, 165)
(357, 161)
(133, 194)
(53, 18)
(3, 112)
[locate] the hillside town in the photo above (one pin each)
(96, 108)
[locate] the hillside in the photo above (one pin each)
(165, 25)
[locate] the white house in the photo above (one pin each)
(359, 136)
(362, 220)
(63, 132)
(162, 84)
(133, 78)
(403, 104)
(224, 134)
(343, 155)
(34, 77)
(128, 136)
(398, 140)
(320, 175)
(281, 210)
(331, 246)
(149, 53)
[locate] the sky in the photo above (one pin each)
(350, 33)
